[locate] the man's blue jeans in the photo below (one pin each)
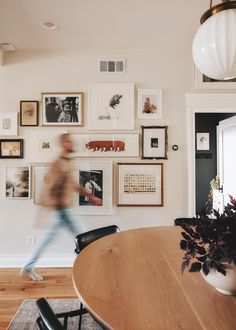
(65, 220)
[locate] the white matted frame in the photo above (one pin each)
(106, 145)
(62, 109)
(201, 84)
(154, 142)
(111, 106)
(202, 141)
(43, 145)
(8, 123)
(140, 184)
(18, 182)
(39, 174)
(96, 178)
(149, 103)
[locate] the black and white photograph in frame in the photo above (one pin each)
(154, 142)
(17, 183)
(62, 109)
(92, 182)
(96, 178)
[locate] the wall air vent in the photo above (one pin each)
(112, 66)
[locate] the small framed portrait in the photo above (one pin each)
(154, 142)
(203, 141)
(140, 184)
(17, 182)
(11, 148)
(28, 113)
(149, 103)
(62, 109)
(8, 123)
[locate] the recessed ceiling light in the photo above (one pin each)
(50, 25)
(7, 47)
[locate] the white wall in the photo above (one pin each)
(25, 75)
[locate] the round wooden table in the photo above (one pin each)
(132, 280)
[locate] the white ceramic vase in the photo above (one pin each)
(223, 284)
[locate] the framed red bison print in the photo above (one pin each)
(96, 178)
(106, 145)
(111, 106)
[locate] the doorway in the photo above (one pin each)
(202, 103)
(206, 157)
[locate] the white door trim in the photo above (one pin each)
(202, 103)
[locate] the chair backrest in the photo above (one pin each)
(184, 221)
(48, 317)
(84, 239)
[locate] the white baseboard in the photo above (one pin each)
(47, 260)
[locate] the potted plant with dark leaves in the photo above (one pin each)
(210, 247)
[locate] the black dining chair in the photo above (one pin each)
(48, 320)
(84, 239)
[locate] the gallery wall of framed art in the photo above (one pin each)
(112, 135)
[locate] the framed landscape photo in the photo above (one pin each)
(96, 178)
(111, 106)
(11, 148)
(140, 184)
(154, 142)
(28, 113)
(8, 123)
(106, 145)
(149, 103)
(62, 109)
(17, 182)
(39, 181)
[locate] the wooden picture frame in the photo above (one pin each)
(29, 113)
(62, 109)
(8, 124)
(154, 142)
(96, 178)
(111, 106)
(18, 182)
(11, 148)
(106, 145)
(140, 184)
(149, 103)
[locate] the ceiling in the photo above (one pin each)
(98, 23)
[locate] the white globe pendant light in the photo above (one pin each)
(214, 45)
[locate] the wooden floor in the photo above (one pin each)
(14, 289)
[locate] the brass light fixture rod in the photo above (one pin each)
(226, 4)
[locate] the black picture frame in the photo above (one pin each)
(154, 142)
(11, 148)
(29, 113)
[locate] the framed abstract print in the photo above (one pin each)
(11, 148)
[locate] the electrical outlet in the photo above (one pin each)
(30, 240)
